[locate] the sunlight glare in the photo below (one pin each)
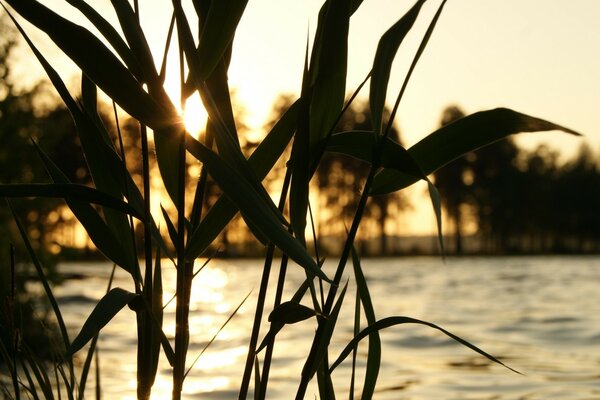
(195, 116)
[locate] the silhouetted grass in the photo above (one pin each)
(111, 209)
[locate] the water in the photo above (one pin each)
(540, 315)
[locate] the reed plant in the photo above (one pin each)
(117, 60)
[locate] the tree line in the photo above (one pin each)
(518, 201)
(521, 201)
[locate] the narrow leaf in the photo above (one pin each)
(105, 310)
(392, 321)
(261, 161)
(311, 366)
(253, 207)
(110, 34)
(374, 355)
(360, 145)
(99, 64)
(217, 33)
(291, 312)
(100, 234)
(458, 138)
(384, 57)
(437, 209)
(71, 191)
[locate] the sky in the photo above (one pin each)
(538, 57)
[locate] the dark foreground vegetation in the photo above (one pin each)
(106, 169)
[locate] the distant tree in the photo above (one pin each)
(453, 182)
(340, 179)
(577, 200)
(54, 132)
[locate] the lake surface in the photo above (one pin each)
(540, 315)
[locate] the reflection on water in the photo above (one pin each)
(541, 315)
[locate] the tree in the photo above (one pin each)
(340, 179)
(453, 182)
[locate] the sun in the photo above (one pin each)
(194, 116)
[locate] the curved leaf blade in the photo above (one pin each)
(217, 34)
(71, 191)
(99, 64)
(261, 161)
(103, 313)
(384, 57)
(361, 144)
(458, 138)
(374, 355)
(253, 206)
(392, 321)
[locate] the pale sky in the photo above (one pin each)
(540, 57)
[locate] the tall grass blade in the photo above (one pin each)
(252, 206)
(315, 359)
(261, 160)
(329, 74)
(99, 64)
(111, 35)
(217, 33)
(71, 191)
(361, 144)
(300, 159)
(137, 41)
(105, 310)
(374, 355)
(458, 138)
(91, 351)
(100, 234)
(384, 57)
(392, 321)
(210, 342)
(43, 280)
(436, 201)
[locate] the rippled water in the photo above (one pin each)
(540, 315)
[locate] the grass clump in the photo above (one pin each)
(122, 66)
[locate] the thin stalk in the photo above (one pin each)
(196, 214)
(260, 304)
(361, 207)
(184, 270)
(271, 344)
(306, 376)
(11, 315)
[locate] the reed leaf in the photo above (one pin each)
(322, 346)
(217, 33)
(136, 39)
(458, 138)
(71, 191)
(289, 312)
(384, 57)
(105, 310)
(374, 354)
(328, 77)
(253, 207)
(261, 160)
(100, 234)
(99, 64)
(111, 35)
(43, 279)
(361, 145)
(393, 321)
(436, 201)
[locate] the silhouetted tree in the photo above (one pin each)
(453, 182)
(340, 180)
